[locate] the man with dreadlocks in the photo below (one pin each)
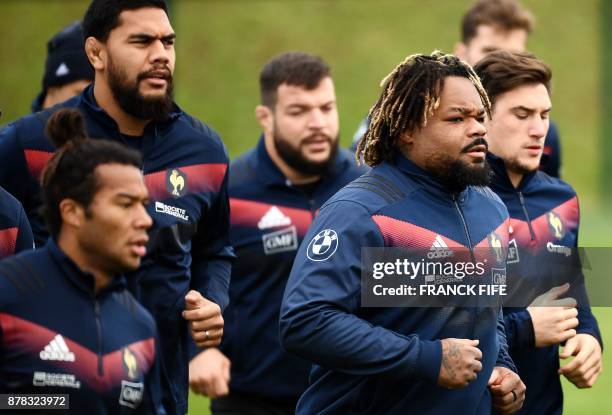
(427, 150)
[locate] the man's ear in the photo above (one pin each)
(406, 138)
(265, 117)
(73, 213)
(460, 51)
(95, 53)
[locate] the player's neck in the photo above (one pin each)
(515, 178)
(128, 124)
(86, 263)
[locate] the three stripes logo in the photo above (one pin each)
(57, 350)
(439, 249)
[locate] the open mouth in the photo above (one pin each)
(139, 247)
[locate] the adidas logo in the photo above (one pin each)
(273, 218)
(62, 70)
(57, 349)
(439, 249)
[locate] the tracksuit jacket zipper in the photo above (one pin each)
(99, 327)
(522, 200)
(465, 227)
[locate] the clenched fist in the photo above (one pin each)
(460, 362)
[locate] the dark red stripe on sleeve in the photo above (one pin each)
(36, 161)
(200, 178)
(8, 241)
(248, 213)
(405, 234)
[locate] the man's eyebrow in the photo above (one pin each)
(147, 37)
(489, 49)
(467, 111)
(123, 195)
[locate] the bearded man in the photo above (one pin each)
(275, 190)
(183, 281)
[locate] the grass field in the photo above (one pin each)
(222, 45)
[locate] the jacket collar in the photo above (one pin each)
(81, 279)
(501, 179)
(271, 175)
(89, 103)
(427, 180)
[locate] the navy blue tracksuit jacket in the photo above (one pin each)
(185, 170)
(269, 218)
(15, 231)
(58, 336)
(544, 214)
(387, 360)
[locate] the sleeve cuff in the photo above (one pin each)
(429, 360)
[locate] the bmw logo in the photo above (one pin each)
(323, 245)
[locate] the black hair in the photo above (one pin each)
(102, 16)
(71, 171)
(291, 68)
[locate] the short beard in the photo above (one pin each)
(296, 160)
(132, 102)
(515, 166)
(455, 175)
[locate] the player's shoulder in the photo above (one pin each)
(555, 184)
(9, 205)
(243, 169)
(200, 135)
(373, 190)
(22, 274)
(29, 130)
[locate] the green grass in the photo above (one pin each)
(223, 44)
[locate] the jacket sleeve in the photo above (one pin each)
(212, 251)
(519, 329)
(503, 358)
(319, 318)
(13, 166)
(152, 402)
(25, 239)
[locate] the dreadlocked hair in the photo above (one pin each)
(411, 95)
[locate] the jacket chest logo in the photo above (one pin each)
(130, 364)
(273, 218)
(556, 225)
(176, 182)
(496, 246)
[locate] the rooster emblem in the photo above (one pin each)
(556, 224)
(176, 182)
(130, 364)
(496, 245)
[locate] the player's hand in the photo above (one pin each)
(209, 373)
(205, 320)
(507, 390)
(460, 362)
(586, 366)
(554, 319)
